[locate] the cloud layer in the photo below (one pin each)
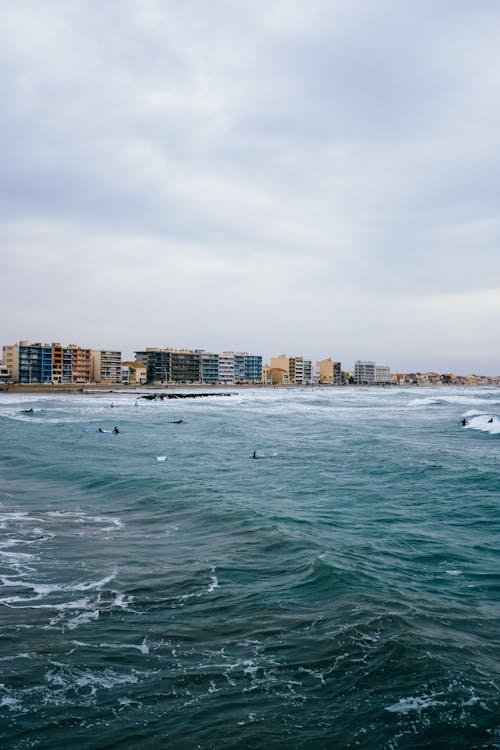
(319, 178)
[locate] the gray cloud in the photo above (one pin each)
(320, 178)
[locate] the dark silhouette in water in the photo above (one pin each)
(177, 421)
(116, 430)
(490, 420)
(464, 422)
(99, 429)
(29, 411)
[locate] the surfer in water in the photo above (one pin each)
(116, 430)
(99, 429)
(464, 422)
(490, 420)
(177, 421)
(29, 411)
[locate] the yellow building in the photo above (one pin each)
(11, 359)
(137, 373)
(282, 362)
(294, 367)
(329, 372)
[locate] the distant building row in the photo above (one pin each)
(186, 366)
(285, 370)
(27, 362)
(53, 363)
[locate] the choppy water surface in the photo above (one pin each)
(342, 591)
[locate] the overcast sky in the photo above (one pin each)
(315, 177)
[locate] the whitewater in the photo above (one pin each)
(161, 588)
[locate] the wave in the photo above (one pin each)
(482, 422)
(451, 399)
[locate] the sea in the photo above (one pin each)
(161, 588)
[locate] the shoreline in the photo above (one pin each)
(93, 388)
(98, 388)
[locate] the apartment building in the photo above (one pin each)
(253, 368)
(383, 374)
(365, 373)
(158, 363)
(226, 367)
(78, 362)
(106, 366)
(185, 366)
(10, 356)
(330, 373)
(296, 365)
(209, 367)
(29, 363)
(298, 369)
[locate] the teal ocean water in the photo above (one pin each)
(343, 591)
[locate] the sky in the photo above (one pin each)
(315, 178)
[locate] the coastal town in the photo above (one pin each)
(26, 363)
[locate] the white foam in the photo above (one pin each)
(16, 555)
(43, 589)
(81, 619)
(482, 423)
(214, 584)
(79, 516)
(405, 705)
(8, 701)
(464, 399)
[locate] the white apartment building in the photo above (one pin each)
(365, 373)
(226, 367)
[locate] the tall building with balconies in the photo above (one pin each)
(185, 366)
(106, 366)
(34, 362)
(209, 367)
(81, 364)
(158, 363)
(253, 368)
(226, 367)
(365, 373)
(57, 363)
